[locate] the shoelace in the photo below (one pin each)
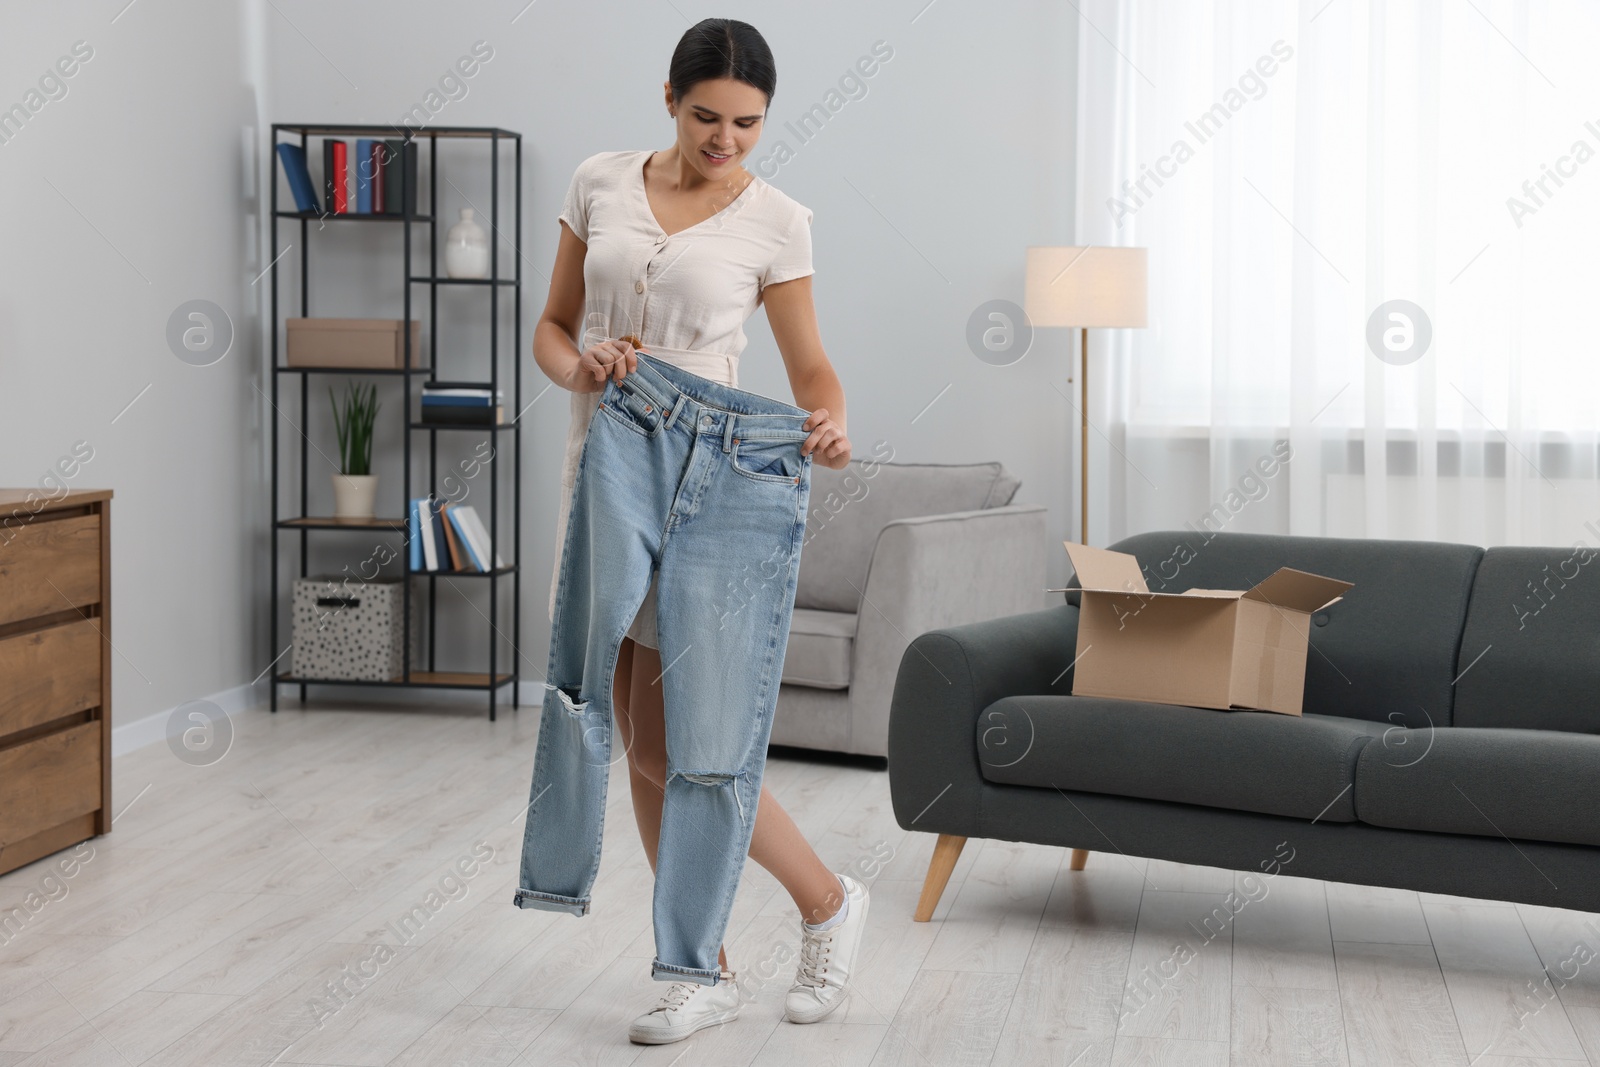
(677, 994)
(815, 949)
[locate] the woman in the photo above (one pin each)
(715, 242)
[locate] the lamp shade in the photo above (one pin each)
(1094, 285)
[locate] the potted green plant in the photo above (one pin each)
(355, 486)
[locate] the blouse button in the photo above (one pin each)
(660, 238)
(638, 287)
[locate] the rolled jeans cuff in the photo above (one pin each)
(528, 898)
(665, 972)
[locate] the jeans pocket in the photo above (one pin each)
(632, 409)
(768, 459)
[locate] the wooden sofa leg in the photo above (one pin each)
(1080, 858)
(945, 853)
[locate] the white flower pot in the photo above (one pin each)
(353, 495)
(466, 248)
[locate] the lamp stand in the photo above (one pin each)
(1083, 447)
(1080, 856)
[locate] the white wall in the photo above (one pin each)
(124, 198)
(926, 191)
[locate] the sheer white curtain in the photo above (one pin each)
(1292, 167)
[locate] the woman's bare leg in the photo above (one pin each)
(622, 700)
(776, 843)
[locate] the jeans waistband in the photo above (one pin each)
(711, 407)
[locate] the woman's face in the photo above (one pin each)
(723, 116)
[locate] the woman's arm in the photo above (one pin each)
(816, 386)
(553, 346)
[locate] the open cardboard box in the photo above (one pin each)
(1207, 648)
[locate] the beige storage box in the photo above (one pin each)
(374, 344)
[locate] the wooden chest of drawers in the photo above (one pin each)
(55, 671)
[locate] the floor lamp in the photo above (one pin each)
(1084, 287)
(1092, 286)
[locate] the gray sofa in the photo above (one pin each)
(892, 550)
(1448, 743)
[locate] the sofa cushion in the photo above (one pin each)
(1533, 785)
(849, 508)
(820, 646)
(1385, 652)
(1530, 652)
(1258, 761)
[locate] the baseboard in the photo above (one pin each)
(254, 697)
(153, 728)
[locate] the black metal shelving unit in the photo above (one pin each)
(492, 680)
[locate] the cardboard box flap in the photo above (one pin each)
(1101, 568)
(1298, 590)
(1220, 594)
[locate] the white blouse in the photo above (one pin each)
(686, 295)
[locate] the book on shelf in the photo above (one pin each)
(335, 188)
(454, 415)
(460, 400)
(483, 536)
(441, 548)
(461, 391)
(450, 541)
(399, 154)
(363, 174)
(414, 533)
(430, 550)
(293, 158)
(380, 156)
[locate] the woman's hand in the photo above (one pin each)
(827, 443)
(602, 360)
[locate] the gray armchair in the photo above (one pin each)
(893, 550)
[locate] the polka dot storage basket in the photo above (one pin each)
(348, 629)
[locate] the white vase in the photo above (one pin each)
(353, 495)
(466, 249)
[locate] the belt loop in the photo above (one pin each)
(727, 433)
(677, 406)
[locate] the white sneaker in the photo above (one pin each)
(685, 1008)
(826, 960)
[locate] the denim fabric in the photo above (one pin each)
(705, 485)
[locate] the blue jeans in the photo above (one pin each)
(706, 485)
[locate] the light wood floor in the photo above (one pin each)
(230, 899)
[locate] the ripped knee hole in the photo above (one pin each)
(705, 778)
(569, 699)
(717, 779)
